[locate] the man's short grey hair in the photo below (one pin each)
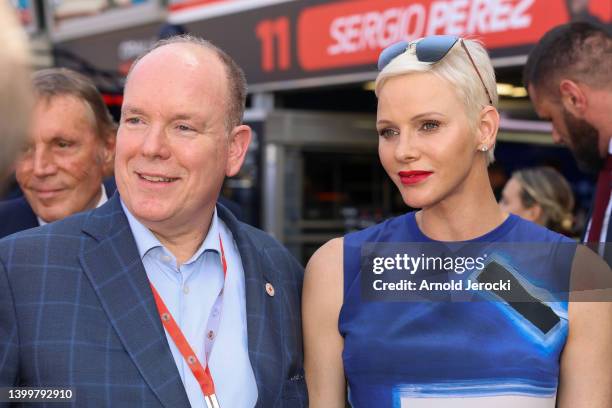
(15, 91)
(53, 82)
(235, 75)
(457, 70)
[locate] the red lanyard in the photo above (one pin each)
(201, 374)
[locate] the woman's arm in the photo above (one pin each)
(586, 362)
(321, 302)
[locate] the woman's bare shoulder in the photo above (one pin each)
(324, 269)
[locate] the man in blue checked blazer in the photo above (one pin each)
(126, 302)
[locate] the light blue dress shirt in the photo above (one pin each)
(189, 291)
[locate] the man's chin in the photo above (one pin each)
(584, 143)
(50, 217)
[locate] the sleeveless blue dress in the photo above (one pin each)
(450, 354)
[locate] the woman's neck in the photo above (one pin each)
(465, 214)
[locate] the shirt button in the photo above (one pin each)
(215, 312)
(185, 289)
(211, 335)
(269, 289)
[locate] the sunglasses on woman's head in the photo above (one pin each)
(429, 49)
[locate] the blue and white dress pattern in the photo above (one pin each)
(449, 354)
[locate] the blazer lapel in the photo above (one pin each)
(118, 277)
(263, 313)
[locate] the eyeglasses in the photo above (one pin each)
(429, 49)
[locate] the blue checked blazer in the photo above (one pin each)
(76, 309)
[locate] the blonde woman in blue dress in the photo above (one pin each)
(437, 122)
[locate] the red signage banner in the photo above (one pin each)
(354, 32)
(284, 44)
(176, 5)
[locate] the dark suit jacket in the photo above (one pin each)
(76, 309)
(17, 214)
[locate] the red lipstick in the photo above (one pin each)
(413, 177)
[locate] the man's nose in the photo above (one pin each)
(43, 163)
(155, 144)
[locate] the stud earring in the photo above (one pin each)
(484, 148)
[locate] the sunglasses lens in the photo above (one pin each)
(428, 49)
(391, 52)
(434, 48)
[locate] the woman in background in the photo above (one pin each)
(437, 125)
(542, 195)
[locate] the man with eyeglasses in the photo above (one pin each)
(569, 78)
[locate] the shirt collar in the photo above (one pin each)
(146, 240)
(103, 199)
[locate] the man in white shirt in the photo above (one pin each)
(69, 152)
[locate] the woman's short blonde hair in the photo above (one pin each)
(456, 69)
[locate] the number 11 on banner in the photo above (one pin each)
(271, 33)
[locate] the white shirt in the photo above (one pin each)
(189, 293)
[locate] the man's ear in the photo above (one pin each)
(573, 97)
(487, 127)
(239, 140)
